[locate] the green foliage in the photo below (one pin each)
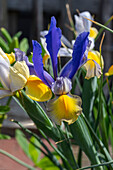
(22, 141)
(46, 164)
(2, 136)
(8, 43)
(34, 152)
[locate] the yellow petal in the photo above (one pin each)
(93, 32)
(22, 68)
(37, 90)
(93, 69)
(11, 57)
(17, 80)
(64, 108)
(110, 71)
(95, 55)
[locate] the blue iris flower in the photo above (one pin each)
(64, 106)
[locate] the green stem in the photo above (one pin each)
(102, 29)
(69, 142)
(80, 157)
(99, 142)
(56, 150)
(97, 165)
(51, 156)
(16, 159)
(9, 100)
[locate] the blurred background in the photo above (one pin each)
(33, 16)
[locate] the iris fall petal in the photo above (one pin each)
(93, 69)
(37, 90)
(5, 93)
(64, 108)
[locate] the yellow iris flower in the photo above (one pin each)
(17, 77)
(110, 71)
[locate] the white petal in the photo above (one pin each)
(4, 72)
(44, 44)
(4, 56)
(22, 68)
(43, 33)
(82, 24)
(65, 52)
(79, 26)
(87, 23)
(66, 42)
(17, 80)
(5, 93)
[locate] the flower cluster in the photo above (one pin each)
(16, 72)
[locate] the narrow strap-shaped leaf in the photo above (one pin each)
(6, 35)
(83, 138)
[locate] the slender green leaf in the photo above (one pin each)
(33, 151)
(22, 141)
(6, 35)
(4, 45)
(88, 97)
(46, 164)
(18, 34)
(83, 138)
(14, 44)
(24, 46)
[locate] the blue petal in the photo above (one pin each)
(77, 57)
(53, 43)
(38, 64)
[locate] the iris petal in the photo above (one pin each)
(78, 53)
(64, 108)
(110, 71)
(11, 57)
(5, 93)
(53, 43)
(4, 72)
(93, 32)
(38, 62)
(95, 55)
(17, 80)
(37, 90)
(93, 69)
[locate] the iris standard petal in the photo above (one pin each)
(82, 24)
(53, 44)
(22, 68)
(37, 90)
(5, 93)
(38, 62)
(4, 72)
(110, 71)
(19, 55)
(87, 23)
(78, 53)
(92, 69)
(64, 108)
(17, 80)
